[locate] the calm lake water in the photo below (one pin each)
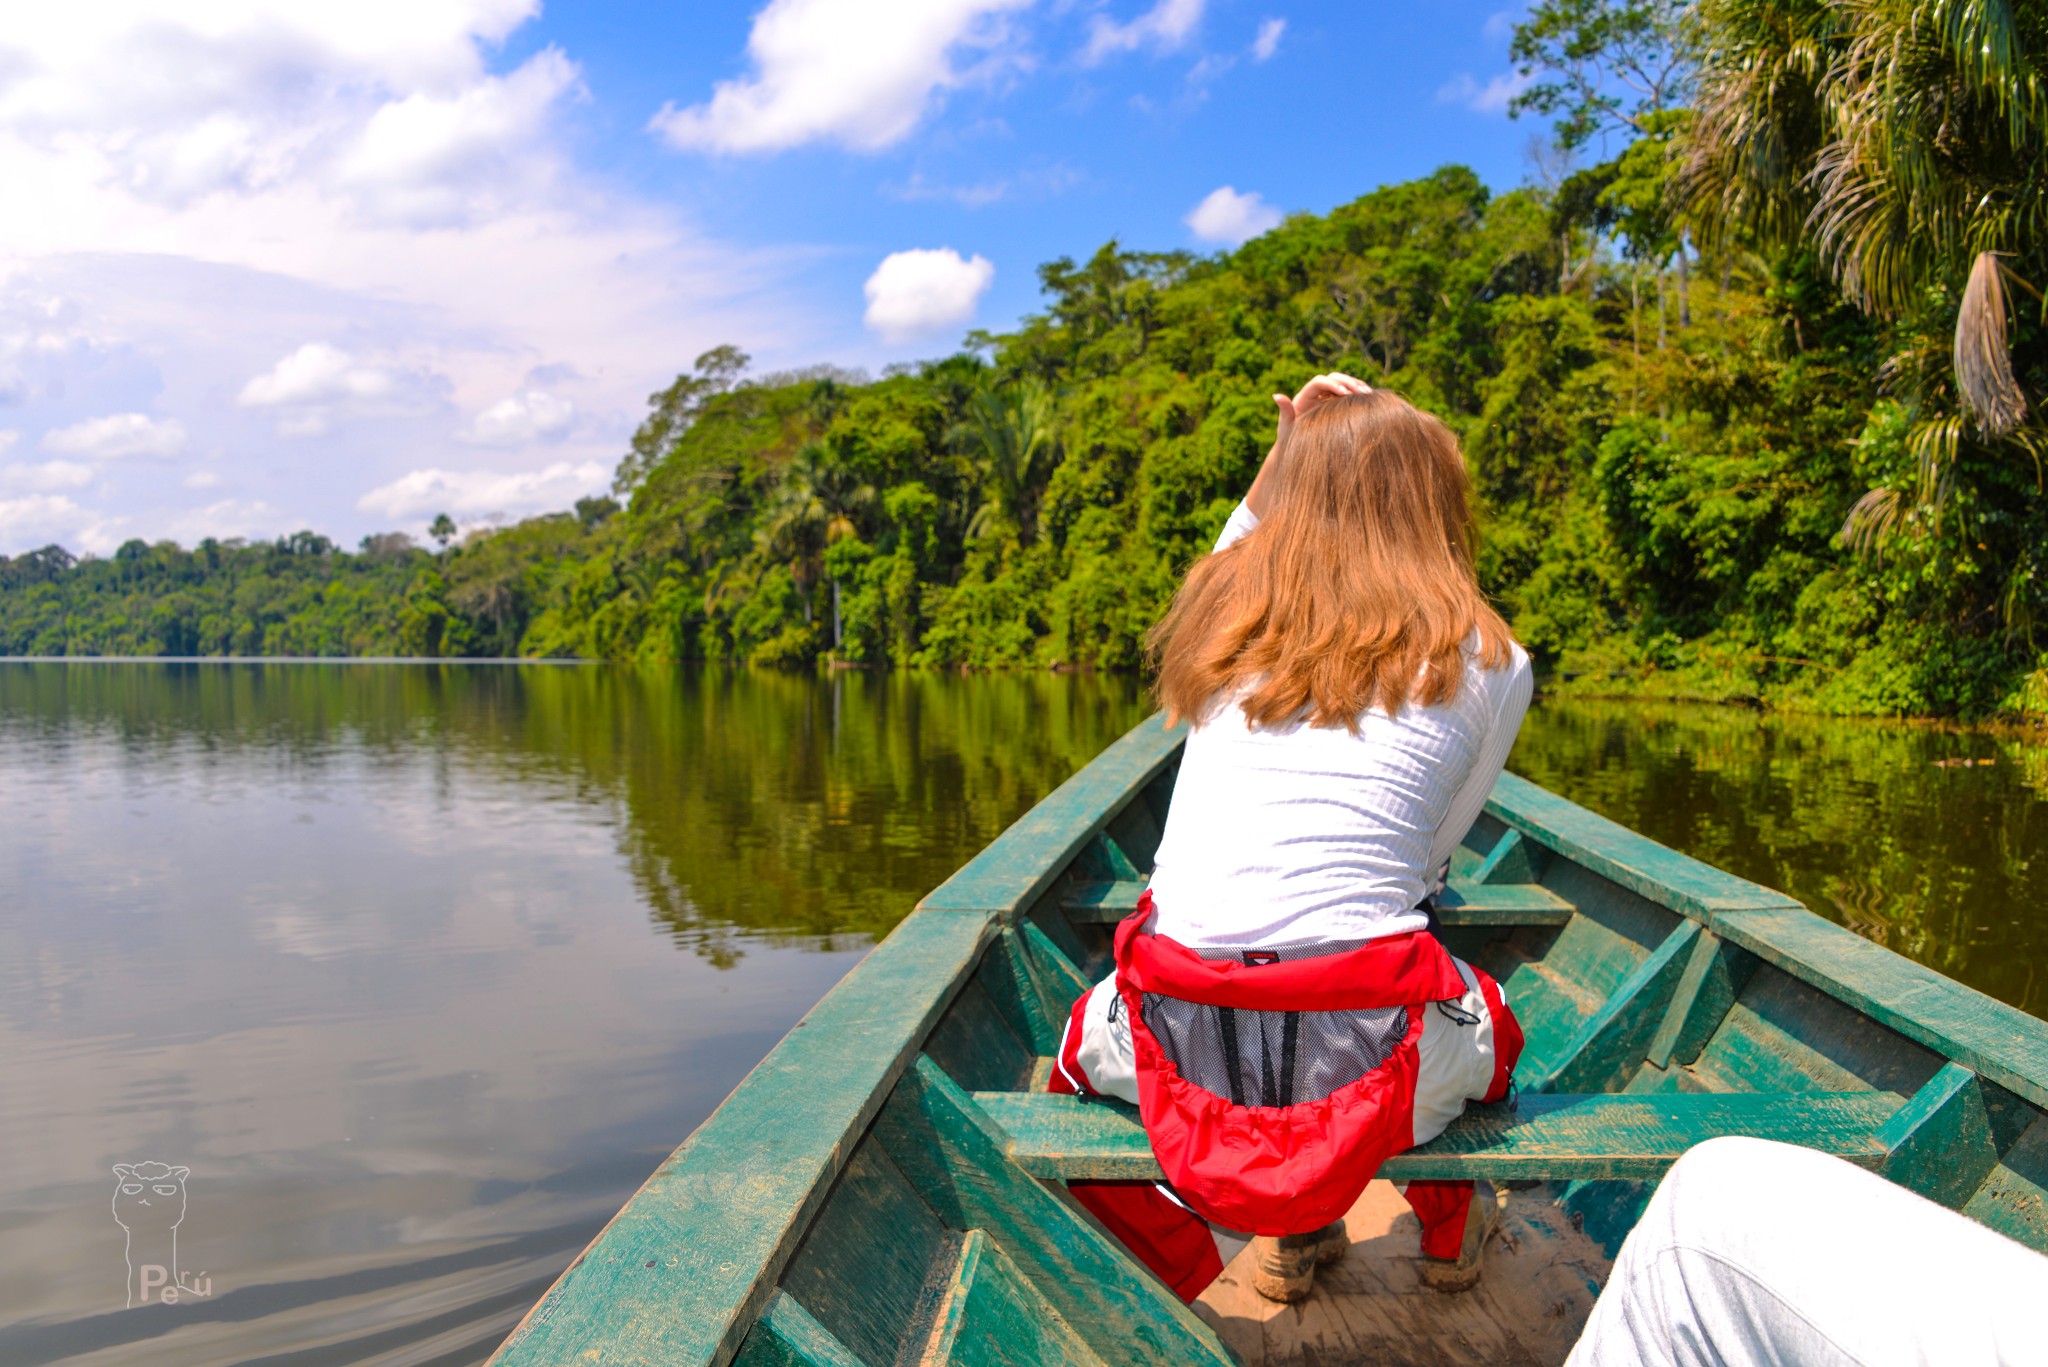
(420, 970)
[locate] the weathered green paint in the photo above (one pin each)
(1101, 901)
(1986, 1036)
(1136, 834)
(1103, 858)
(1502, 904)
(1715, 974)
(1057, 973)
(1615, 1039)
(975, 1042)
(956, 1156)
(988, 1314)
(1024, 860)
(1104, 902)
(2014, 1198)
(1784, 1036)
(1550, 1006)
(1046, 916)
(1555, 1137)
(786, 1335)
(863, 1265)
(1946, 1140)
(681, 1272)
(1513, 859)
(1032, 984)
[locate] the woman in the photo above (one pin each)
(1281, 1013)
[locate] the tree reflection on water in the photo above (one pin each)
(1874, 825)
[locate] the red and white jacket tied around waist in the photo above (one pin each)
(1273, 1083)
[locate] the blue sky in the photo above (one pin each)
(266, 265)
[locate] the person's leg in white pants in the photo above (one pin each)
(1754, 1252)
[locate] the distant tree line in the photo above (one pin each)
(1749, 389)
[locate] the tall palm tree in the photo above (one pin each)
(818, 502)
(1908, 139)
(1009, 430)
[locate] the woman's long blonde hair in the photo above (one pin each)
(1355, 591)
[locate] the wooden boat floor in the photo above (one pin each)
(1540, 1278)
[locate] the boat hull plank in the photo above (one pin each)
(974, 1041)
(1947, 1139)
(1557, 1137)
(787, 1335)
(1615, 1040)
(2014, 1199)
(1783, 1036)
(863, 1268)
(1512, 859)
(988, 1314)
(1986, 1036)
(1714, 977)
(956, 1157)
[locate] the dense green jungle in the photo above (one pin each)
(1747, 378)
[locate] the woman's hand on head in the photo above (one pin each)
(1319, 390)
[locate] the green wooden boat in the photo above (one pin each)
(884, 1187)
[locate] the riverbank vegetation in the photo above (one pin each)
(1750, 398)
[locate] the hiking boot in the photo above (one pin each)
(1451, 1275)
(1284, 1268)
(1332, 1243)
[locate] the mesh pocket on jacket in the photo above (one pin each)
(1272, 1058)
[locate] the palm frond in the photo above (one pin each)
(1982, 359)
(1872, 520)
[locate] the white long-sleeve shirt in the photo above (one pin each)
(1303, 834)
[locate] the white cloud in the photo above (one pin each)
(1500, 26)
(315, 373)
(916, 293)
(1268, 41)
(201, 479)
(425, 158)
(46, 478)
(842, 71)
(319, 383)
(7, 440)
(52, 519)
(117, 435)
(34, 519)
(1490, 98)
(1226, 216)
(530, 415)
(485, 493)
(1162, 28)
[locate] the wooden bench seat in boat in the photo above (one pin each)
(1496, 904)
(1557, 1137)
